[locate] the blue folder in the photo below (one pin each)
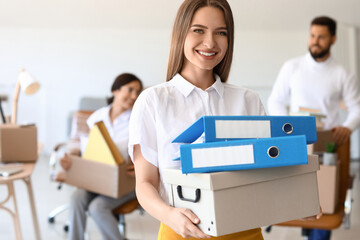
(224, 128)
(243, 154)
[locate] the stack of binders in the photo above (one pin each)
(229, 143)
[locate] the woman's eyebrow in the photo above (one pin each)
(202, 26)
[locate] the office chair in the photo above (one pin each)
(343, 209)
(77, 128)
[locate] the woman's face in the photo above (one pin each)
(125, 96)
(206, 42)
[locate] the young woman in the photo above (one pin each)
(125, 90)
(199, 64)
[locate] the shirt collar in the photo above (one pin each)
(122, 117)
(185, 87)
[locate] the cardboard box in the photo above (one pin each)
(323, 138)
(328, 181)
(18, 143)
(105, 179)
(228, 202)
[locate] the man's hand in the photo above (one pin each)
(65, 162)
(311, 218)
(340, 134)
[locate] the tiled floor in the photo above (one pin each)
(139, 227)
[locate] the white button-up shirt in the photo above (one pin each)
(164, 111)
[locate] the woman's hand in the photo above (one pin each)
(65, 162)
(183, 221)
(60, 176)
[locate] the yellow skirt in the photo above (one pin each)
(166, 233)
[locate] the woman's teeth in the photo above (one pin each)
(206, 54)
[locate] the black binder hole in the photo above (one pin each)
(273, 152)
(209, 229)
(212, 223)
(288, 128)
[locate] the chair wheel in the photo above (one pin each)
(51, 219)
(66, 228)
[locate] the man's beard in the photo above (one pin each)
(319, 55)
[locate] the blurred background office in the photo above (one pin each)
(76, 48)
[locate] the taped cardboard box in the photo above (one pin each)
(228, 202)
(328, 180)
(18, 143)
(101, 178)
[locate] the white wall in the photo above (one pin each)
(72, 62)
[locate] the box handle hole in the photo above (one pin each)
(197, 195)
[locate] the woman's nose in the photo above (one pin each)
(209, 41)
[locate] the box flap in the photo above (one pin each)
(221, 180)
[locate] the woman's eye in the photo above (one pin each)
(222, 33)
(198, 30)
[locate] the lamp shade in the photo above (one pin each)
(28, 83)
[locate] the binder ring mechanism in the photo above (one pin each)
(288, 128)
(197, 195)
(273, 152)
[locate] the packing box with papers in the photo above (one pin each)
(102, 169)
(228, 202)
(18, 143)
(105, 179)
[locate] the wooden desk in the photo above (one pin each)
(25, 175)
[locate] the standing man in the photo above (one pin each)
(317, 81)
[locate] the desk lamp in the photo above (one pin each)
(28, 84)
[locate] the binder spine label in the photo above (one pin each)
(222, 156)
(242, 129)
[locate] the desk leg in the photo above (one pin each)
(27, 180)
(16, 214)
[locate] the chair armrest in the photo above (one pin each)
(350, 182)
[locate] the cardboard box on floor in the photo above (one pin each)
(328, 181)
(101, 178)
(18, 143)
(228, 202)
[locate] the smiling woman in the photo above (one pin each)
(199, 64)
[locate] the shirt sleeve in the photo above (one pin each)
(351, 96)
(280, 94)
(142, 128)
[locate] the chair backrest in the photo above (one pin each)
(91, 103)
(343, 153)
